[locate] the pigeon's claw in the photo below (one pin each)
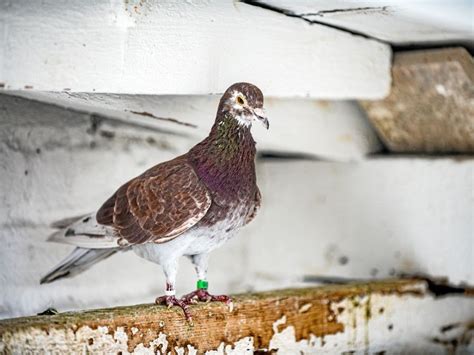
(204, 296)
(171, 301)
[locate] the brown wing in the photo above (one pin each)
(158, 205)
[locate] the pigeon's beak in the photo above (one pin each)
(261, 116)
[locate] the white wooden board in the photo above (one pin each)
(398, 22)
(170, 47)
(335, 130)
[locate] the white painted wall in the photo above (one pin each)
(385, 215)
(178, 47)
(397, 214)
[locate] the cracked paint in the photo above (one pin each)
(306, 18)
(352, 9)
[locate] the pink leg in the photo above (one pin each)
(201, 294)
(169, 299)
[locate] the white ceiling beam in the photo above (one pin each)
(138, 47)
(398, 22)
(334, 130)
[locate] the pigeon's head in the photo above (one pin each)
(244, 102)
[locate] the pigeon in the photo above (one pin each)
(187, 206)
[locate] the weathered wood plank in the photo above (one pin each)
(178, 47)
(330, 318)
(336, 130)
(397, 22)
(430, 108)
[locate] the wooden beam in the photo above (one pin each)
(335, 130)
(169, 47)
(396, 22)
(430, 108)
(331, 318)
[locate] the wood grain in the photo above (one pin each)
(310, 311)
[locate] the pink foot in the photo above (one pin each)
(204, 296)
(171, 301)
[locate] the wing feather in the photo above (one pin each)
(158, 205)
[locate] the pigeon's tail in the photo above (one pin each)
(78, 261)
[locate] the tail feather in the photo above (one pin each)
(66, 222)
(78, 261)
(85, 232)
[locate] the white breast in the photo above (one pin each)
(197, 240)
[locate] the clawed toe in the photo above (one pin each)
(204, 296)
(194, 297)
(171, 301)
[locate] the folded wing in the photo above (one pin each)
(158, 205)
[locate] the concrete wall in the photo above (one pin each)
(372, 218)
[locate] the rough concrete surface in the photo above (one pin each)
(430, 108)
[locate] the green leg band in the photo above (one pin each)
(202, 284)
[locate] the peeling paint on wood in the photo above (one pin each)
(326, 319)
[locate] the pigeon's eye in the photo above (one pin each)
(240, 100)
